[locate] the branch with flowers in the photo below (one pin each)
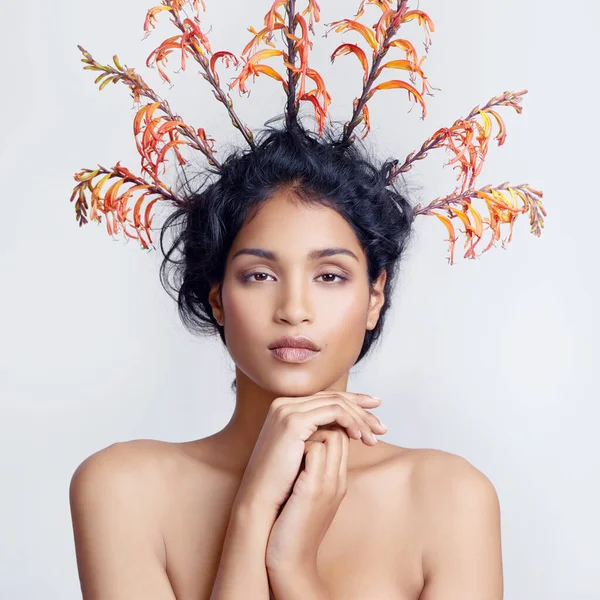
(469, 140)
(299, 46)
(157, 130)
(380, 39)
(194, 42)
(503, 205)
(113, 206)
(155, 134)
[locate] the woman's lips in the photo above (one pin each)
(294, 355)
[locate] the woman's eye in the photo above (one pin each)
(331, 275)
(340, 277)
(250, 275)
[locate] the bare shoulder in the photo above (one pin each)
(117, 498)
(144, 473)
(143, 468)
(130, 474)
(132, 463)
(460, 518)
(119, 461)
(443, 477)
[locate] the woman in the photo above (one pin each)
(294, 498)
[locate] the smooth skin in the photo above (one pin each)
(156, 520)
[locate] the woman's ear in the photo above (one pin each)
(376, 300)
(215, 303)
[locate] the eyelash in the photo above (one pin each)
(249, 275)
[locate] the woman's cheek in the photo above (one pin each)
(346, 322)
(244, 318)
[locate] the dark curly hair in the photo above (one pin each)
(318, 169)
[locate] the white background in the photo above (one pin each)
(494, 359)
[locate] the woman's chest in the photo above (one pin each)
(371, 551)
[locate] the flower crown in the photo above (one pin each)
(157, 130)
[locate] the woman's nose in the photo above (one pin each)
(293, 302)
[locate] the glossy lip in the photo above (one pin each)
(294, 342)
(293, 355)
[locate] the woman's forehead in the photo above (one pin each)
(302, 229)
(283, 212)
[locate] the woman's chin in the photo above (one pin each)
(290, 384)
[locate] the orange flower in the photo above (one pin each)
(273, 16)
(384, 5)
(406, 65)
(303, 46)
(411, 53)
(349, 24)
(396, 83)
(227, 58)
(423, 20)
(313, 96)
(314, 13)
(388, 19)
(251, 67)
(264, 35)
(358, 52)
(150, 22)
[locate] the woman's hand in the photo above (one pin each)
(306, 516)
(276, 459)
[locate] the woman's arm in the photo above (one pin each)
(298, 585)
(463, 548)
(242, 570)
(118, 544)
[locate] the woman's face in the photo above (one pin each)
(326, 299)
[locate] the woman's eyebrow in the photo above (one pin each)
(313, 255)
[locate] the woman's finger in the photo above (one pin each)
(343, 469)
(336, 444)
(315, 462)
(365, 422)
(324, 414)
(333, 445)
(371, 422)
(358, 401)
